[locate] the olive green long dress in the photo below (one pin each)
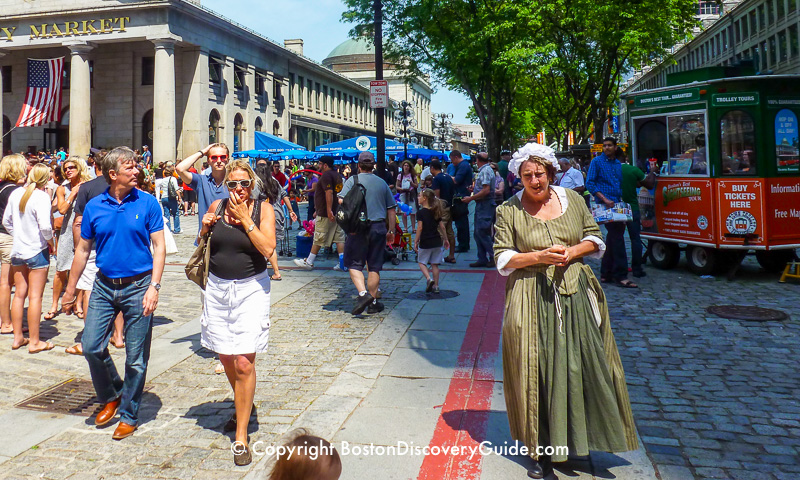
(562, 375)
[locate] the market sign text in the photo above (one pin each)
(668, 97)
(69, 29)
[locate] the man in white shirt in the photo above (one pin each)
(570, 177)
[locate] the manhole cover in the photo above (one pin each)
(73, 397)
(421, 295)
(744, 312)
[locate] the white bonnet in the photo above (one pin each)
(532, 150)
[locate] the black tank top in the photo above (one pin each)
(233, 255)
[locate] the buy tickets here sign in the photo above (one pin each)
(741, 211)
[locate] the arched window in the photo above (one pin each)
(276, 128)
(213, 127)
(738, 143)
(238, 128)
(259, 127)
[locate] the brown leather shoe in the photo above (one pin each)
(123, 431)
(107, 413)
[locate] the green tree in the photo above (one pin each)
(461, 44)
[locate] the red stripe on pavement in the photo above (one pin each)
(465, 412)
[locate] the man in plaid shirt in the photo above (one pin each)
(604, 181)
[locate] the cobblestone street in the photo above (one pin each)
(712, 398)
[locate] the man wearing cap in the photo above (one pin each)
(147, 156)
(367, 248)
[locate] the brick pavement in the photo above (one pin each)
(713, 398)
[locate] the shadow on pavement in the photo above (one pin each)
(214, 415)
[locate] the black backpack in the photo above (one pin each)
(352, 213)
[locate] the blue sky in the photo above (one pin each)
(317, 23)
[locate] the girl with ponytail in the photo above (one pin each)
(27, 220)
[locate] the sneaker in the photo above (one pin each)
(302, 263)
(362, 303)
(436, 289)
(375, 307)
(430, 286)
(338, 268)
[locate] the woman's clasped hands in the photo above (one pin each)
(557, 255)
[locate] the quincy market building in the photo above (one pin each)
(173, 75)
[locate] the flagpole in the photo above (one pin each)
(9, 131)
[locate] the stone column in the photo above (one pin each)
(80, 99)
(2, 138)
(164, 143)
(194, 133)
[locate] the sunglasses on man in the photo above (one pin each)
(218, 157)
(232, 184)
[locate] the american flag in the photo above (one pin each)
(43, 96)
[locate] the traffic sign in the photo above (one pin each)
(379, 94)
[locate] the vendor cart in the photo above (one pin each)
(725, 148)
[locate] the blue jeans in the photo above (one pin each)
(634, 231)
(170, 207)
(104, 304)
(482, 229)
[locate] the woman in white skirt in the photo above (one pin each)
(235, 321)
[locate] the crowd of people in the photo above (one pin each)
(530, 221)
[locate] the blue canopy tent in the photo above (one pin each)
(425, 154)
(293, 155)
(253, 154)
(273, 144)
(351, 143)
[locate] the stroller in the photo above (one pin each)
(399, 248)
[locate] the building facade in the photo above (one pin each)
(170, 74)
(766, 32)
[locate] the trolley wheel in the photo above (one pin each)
(702, 260)
(774, 261)
(405, 256)
(663, 255)
(395, 261)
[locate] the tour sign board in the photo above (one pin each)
(667, 98)
(738, 99)
(379, 94)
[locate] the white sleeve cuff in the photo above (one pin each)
(600, 244)
(503, 260)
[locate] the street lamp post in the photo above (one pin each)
(404, 124)
(443, 131)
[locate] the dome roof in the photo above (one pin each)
(352, 46)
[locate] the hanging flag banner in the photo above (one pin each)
(43, 94)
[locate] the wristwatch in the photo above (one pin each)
(155, 285)
(252, 227)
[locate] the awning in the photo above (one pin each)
(273, 144)
(391, 145)
(425, 154)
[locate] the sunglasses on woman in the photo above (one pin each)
(232, 184)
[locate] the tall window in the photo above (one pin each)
(6, 79)
(771, 11)
(325, 99)
(300, 86)
(239, 81)
(259, 126)
(148, 70)
(339, 104)
(309, 93)
(291, 88)
(753, 23)
(794, 42)
(745, 31)
(214, 71)
(782, 9)
(782, 44)
(738, 143)
(277, 83)
(317, 93)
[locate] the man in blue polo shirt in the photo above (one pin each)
(604, 181)
(209, 187)
(122, 222)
